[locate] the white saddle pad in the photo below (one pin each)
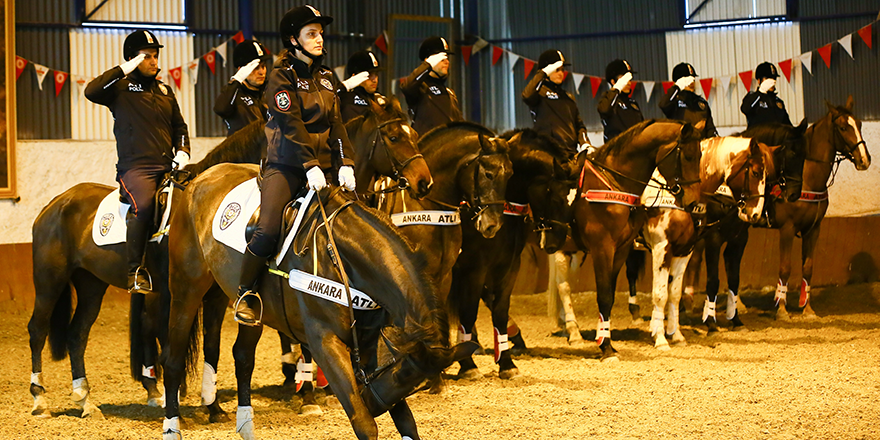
(109, 224)
(654, 197)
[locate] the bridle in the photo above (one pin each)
(744, 196)
(475, 203)
(397, 167)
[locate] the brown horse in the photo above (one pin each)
(607, 212)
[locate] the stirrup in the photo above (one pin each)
(137, 288)
(259, 321)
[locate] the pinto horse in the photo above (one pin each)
(377, 259)
(537, 201)
(607, 215)
(65, 255)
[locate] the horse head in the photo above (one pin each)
(550, 205)
(747, 179)
(483, 178)
(399, 156)
(679, 162)
(848, 139)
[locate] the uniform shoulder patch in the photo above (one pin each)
(163, 89)
(779, 104)
(327, 84)
(634, 105)
(282, 100)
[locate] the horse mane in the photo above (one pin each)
(538, 141)
(623, 138)
(468, 125)
(243, 146)
(769, 131)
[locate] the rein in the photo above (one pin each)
(476, 204)
(396, 166)
(674, 189)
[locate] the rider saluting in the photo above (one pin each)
(618, 111)
(359, 90)
(305, 136)
(682, 104)
(149, 130)
(241, 101)
(764, 106)
(430, 102)
(554, 111)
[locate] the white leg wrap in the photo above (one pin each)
(41, 404)
(708, 310)
(244, 422)
(672, 319)
(689, 290)
(805, 293)
(288, 358)
(463, 335)
(501, 344)
(732, 299)
(603, 330)
(781, 292)
(656, 320)
(406, 437)
(303, 372)
(80, 391)
(569, 317)
(171, 429)
(209, 385)
(632, 300)
(37, 379)
(149, 372)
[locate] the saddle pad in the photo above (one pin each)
(109, 224)
(231, 219)
(654, 197)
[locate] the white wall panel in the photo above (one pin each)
(726, 51)
(153, 11)
(717, 10)
(93, 51)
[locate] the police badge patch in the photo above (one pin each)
(326, 83)
(702, 105)
(163, 89)
(282, 100)
(229, 215)
(779, 104)
(634, 105)
(106, 222)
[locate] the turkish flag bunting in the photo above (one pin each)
(785, 66)
(211, 59)
(60, 79)
(667, 85)
(238, 38)
(382, 43)
(825, 53)
(20, 64)
(865, 33)
(706, 83)
(746, 78)
(632, 89)
(176, 73)
(595, 82)
(466, 54)
(496, 54)
(528, 65)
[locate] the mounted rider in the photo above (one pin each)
(240, 102)
(682, 103)
(618, 111)
(764, 106)
(149, 131)
(306, 138)
(358, 90)
(554, 111)
(430, 102)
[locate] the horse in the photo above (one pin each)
(537, 201)
(607, 215)
(377, 259)
(64, 254)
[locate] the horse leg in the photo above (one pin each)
(659, 293)
(213, 310)
(713, 240)
(404, 421)
(733, 253)
(634, 264)
(786, 238)
(90, 293)
(808, 245)
(144, 329)
(305, 386)
(564, 262)
(500, 313)
(692, 276)
(243, 351)
(470, 290)
(676, 274)
(514, 335)
(288, 360)
(51, 317)
(604, 256)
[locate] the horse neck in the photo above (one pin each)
(445, 160)
(716, 161)
(820, 153)
(362, 141)
(243, 146)
(637, 161)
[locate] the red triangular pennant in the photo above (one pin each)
(632, 89)
(746, 78)
(785, 66)
(238, 37)
(865, 33)
(496, 54)
(466, 54)
(211, 59)
(528, 65)
(381, 43)
(667, 85)
(825, 53)
(176, 74)
(706, 83)
(20, 64)
(60, 79)
(595, 82)
(564, 76)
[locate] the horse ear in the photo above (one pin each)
(754, 148)
(831, 108)
(849, 104)
(687, 130)
(514, 141)
(802, 127)
(394, 105)
(700, 125)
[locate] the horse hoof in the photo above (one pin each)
(679, 343)
(332, 402)
(576, 342)
(42, 413)
(311, 410)
(470, 374)
(610, 359)
(810, 315)
(518, 351)
(664, 347)
(219, 417)
(638, 323)
(508, 374)
(93, 413)
(782, 315)
(156, 402)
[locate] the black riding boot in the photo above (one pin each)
(248, 308)
(137, 235)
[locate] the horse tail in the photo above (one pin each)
(192, 348)
(135, 333)
(635, 265)
(59, 322)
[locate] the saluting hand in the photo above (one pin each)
(129, 66)
(245, 71)
(552, 67)
(436, 59)
(684, 82)
(621, 83)
(356, 80)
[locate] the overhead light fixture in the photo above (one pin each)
(747, 21)
(131, 25)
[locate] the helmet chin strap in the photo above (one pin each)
(298, 47)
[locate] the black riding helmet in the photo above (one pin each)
(682, 70)
(551, 56)
(766, 70)
(616, 68)
(138, 40)
(363, 61)
(247, 51)
(432, 46)
(294, 20)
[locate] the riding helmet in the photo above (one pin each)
(551, 56)
(616, 68)
(682, 70)
(766, 70)
(137, 41)
(433, 45)
(296, 18)
(362, 61)
(247, 51)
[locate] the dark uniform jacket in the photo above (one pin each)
(687, 106)
(147, 120)
(764, 108)
(357, 102)
(618, 112)
(305, 128)
(555, 113)
(239, 105)
(430, 102)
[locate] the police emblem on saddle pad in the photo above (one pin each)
(109, 224)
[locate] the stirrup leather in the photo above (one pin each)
(259, 321)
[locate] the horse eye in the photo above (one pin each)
(490, 176)
(393, 139)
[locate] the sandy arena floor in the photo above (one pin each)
(806, 379)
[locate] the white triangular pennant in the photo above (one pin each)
(512, 58)
(81, 83)
(41, 72)
(578, 78)
(725, 84)
(649, 88)
(340, 72)
(221, 50)
(846, 42)
(193, 68)
(479, 45)
(807, 61)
